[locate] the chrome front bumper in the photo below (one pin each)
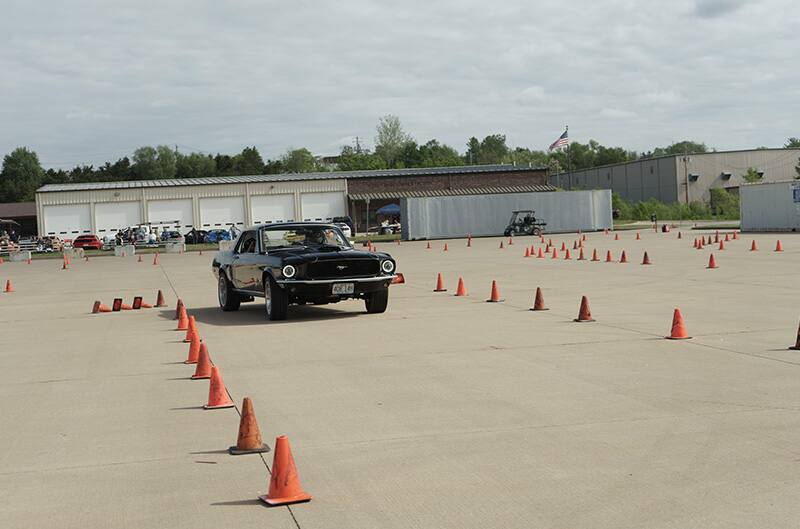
(328, 281)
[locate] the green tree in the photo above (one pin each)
(493, 149)
(725, 205)
(681, 147)
(352, 159)
(249, 162)
(792, 143)
(390, 139)
(195, 165)
(751, 175)
(151, 163)
(299, 161)
(21, 175)
(435, 154)
(116, 172)
(473, 153)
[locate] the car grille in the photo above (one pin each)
(333, 269)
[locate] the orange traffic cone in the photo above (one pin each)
(284, 484)
(646, 259)
(461, 290)
(638, 237)
(194, 351)
(200, 253)
(527, 252)
(140, 258)
(248, 441)
(549, 242)
(99, 307)
(217, 394)
(679, 235)
(183, 320)
(727, 239)
(584, 314)
(29, 260)
(623, 258)
(721, 244)
(563, 246)
(510, 241)
(495, 295)
(712, 263)
(203, 369)
(65, 265)
(796, 346)
(501, 245)
(616, 236)
(9, 286)
(538, 300)
(581, 257)
(753, 246)
(594, 255)
(445, 247)
(567, 255)
(191, 330)
(155, 259)
(778, 246)
(716, 236)
(540, 255)
(160, 300)
(735, 235)
(398, 279)
(178, 309)
(609, 257)
(439, 284)
(428, 247)
(469, 241)
(678, 328)
(555, 253)
(574, 245)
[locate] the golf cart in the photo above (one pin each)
(523, 222)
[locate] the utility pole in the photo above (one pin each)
(358, 146)
(686, 172)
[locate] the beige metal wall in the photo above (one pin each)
(143, 195)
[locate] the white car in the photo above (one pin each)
(345, 229)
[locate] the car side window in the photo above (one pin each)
(247, 243)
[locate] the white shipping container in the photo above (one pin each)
(770, 206)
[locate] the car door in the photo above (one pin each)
(245, 263)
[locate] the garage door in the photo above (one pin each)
(221, 212)
(113, 216)
(322, 206)
(67, 221)
(272, 208)
(170, 213)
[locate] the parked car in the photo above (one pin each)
(49, 244)
(345, 220)
(300, 262)
(195, 236)
(171, 235)
(87, 241)
(345, 229)
(217, 235)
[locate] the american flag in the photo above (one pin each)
(561, 142)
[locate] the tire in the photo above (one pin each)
(228, 299)
(377, 301)
(276, 301)
(536, 232)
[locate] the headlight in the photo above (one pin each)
(387, 267)
(288, 271)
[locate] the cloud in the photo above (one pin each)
(93, 80)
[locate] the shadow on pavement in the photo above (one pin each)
(254, 314)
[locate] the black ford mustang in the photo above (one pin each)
(300, 262)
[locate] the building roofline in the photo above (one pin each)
(288, 177)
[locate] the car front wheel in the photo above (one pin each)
(276, 301)
(228, 299)
(377, 301)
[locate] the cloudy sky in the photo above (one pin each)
(89, 81)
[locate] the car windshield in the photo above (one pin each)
(317, 236)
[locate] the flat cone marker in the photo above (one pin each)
(461, 289)
(796, 346)
(646, 259)
(567, 255)
(194, 351)
(9, 286)
(712, 263)
(160, 300)
(594, 255)
(778, 246)
(183, 321)
(584, 314)
(538, 300)
(609, 257)
(540, 255)
(623, 258)
(203, 369)
(581, 257)
(753, 246)
(445, 247)
(191, 330)
(248, 441)
(284, 484)
(495, 295)
(439, 284)
(217, 394)
(678, 328)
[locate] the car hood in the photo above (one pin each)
(307, 255)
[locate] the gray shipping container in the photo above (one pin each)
(770, 206)
(488, 215)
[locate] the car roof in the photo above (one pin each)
(289, 225)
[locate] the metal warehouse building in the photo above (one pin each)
(678, 178)
(103, 208)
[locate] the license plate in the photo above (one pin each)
(344, 288)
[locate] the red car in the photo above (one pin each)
(87, 241)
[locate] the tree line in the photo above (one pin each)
(22, 173)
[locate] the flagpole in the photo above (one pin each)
(569, 160)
